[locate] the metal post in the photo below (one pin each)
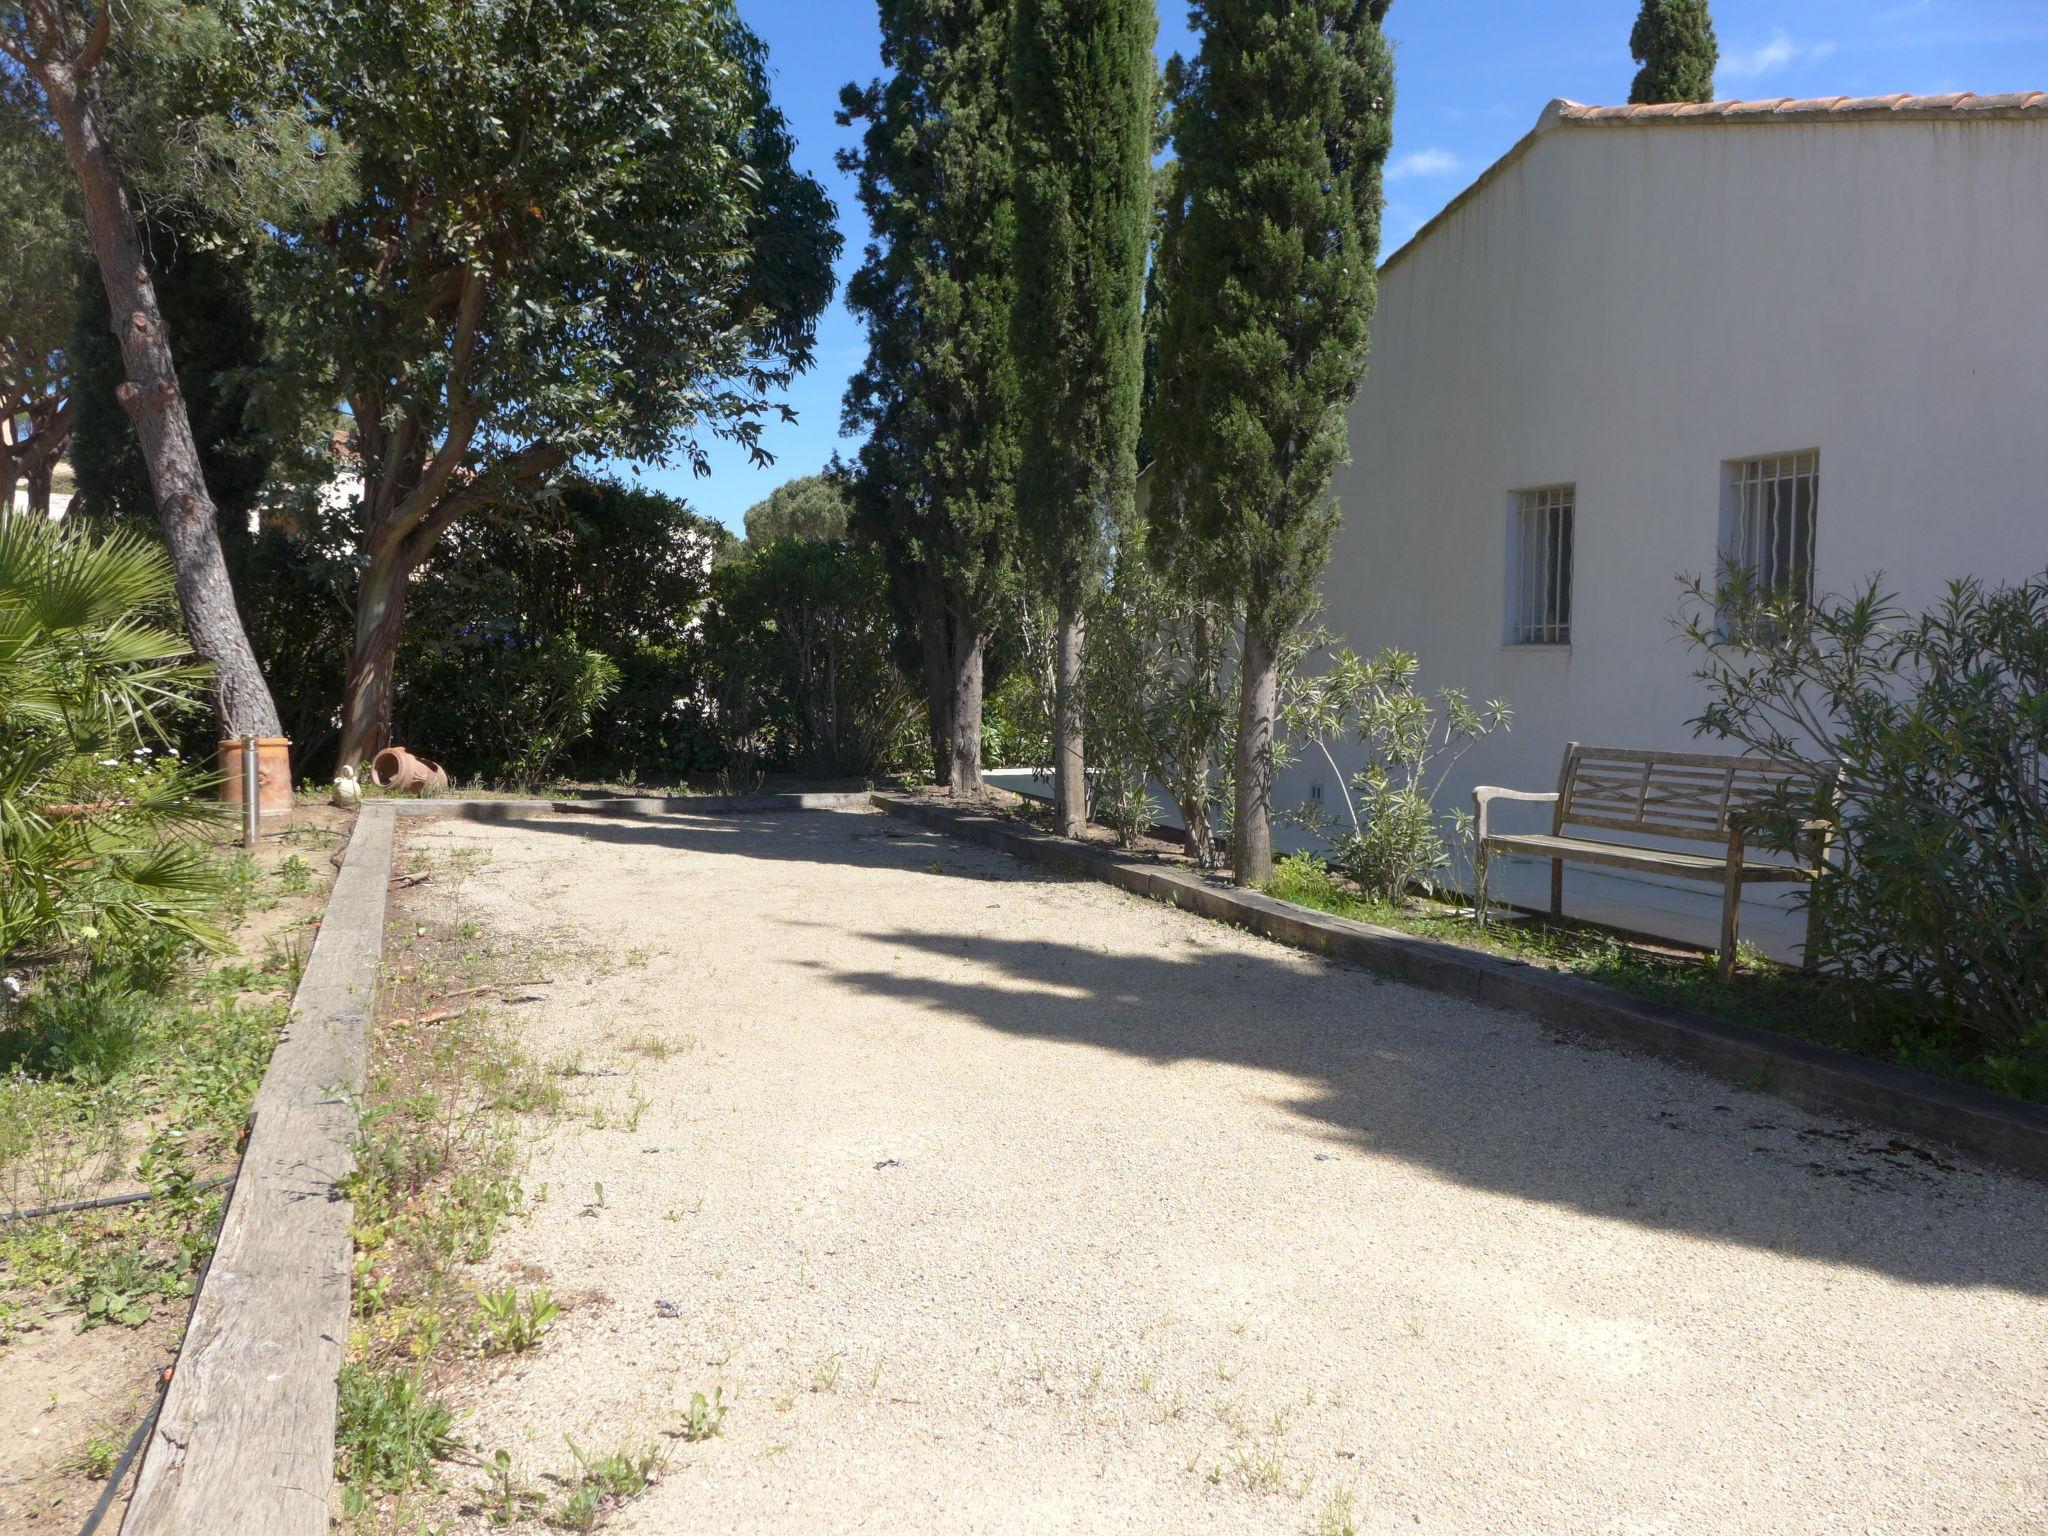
(252, 809)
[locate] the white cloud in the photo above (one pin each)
(1780, 53)
(1424, 162)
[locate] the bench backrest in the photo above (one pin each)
(1675, 794)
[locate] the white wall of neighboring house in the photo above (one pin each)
(1623, 307)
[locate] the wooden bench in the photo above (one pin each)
(1696, 797)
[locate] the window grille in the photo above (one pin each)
(1543, 567)
(1773, 503)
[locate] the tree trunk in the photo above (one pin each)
(1257, 704)
(1069, 764)
(39, 480)
(963, 758)
(380, 617)
(10, 476)
(938, 687)
(154, 402)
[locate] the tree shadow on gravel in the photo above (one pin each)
(1485, 1097)
(1497, 1101)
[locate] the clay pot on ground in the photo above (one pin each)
(400, 772)
(273, 774)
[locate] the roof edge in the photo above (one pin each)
(1957, 107)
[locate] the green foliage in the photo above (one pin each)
(1270, 237)
(938, 394)
(809, 507)
(510, 1326)
(519, 619)
(706, 1416)
(1157, 704)
(602, 1483)
(389, 1432)
(97, 830)
(605, 249)
(510, 706)
(1674, 42)
(87, 1030)
(101, 1051)
(796, 647)
(1084, 89)
(1940, 722)
(1390, 836)
(38, 258)
(1017, 721)
(206, 306)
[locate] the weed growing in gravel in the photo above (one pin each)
(1339, 1516)
(438, 1158)
(603, 1483)
(705, 1416)
(510, 1326)
(388, 1434)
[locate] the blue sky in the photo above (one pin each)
(1471, 77)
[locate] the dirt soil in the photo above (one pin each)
(61, 1388)
(996, 1202)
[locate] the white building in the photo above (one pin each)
(1640, 321)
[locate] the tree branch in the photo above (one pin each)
(96, 45)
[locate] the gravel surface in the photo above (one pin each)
(996, 1202)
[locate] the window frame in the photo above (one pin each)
(1760, 495)
(1539, 613)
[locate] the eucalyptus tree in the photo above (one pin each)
(574, 230)
(935, 481)
(1674, 42)
(1281, 129)
(1084, 91)
(145, 102)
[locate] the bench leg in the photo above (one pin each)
(1556, 890)
(1731, 914)
(1479, 885)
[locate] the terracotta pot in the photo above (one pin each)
(398, 770)
(273, 773)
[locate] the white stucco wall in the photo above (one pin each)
(1626, 307)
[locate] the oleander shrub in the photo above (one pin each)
(1939, 719)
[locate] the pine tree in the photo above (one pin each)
(1281, 130)
(1083, 88)
(934, 487)
(1674, 42)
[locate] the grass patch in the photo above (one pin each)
(1827, 1010)
(121, 1074)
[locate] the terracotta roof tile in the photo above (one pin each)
(1784, 108)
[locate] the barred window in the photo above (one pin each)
(1768, 525)
(1540, 567)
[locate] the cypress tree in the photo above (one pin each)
(1281, 130)
(1083, 97)
(1674, 42)
(938, 394)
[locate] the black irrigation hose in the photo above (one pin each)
(104, 1201)
(163, 1387)
(120, 1472)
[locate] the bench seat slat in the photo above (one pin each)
(1692, 866)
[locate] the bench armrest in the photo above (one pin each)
(1486, 793)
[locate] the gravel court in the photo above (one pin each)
(999, 1202)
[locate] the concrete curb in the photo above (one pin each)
(1998, 1129)
(455, 807)
(710, 805)
(245, 1440)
